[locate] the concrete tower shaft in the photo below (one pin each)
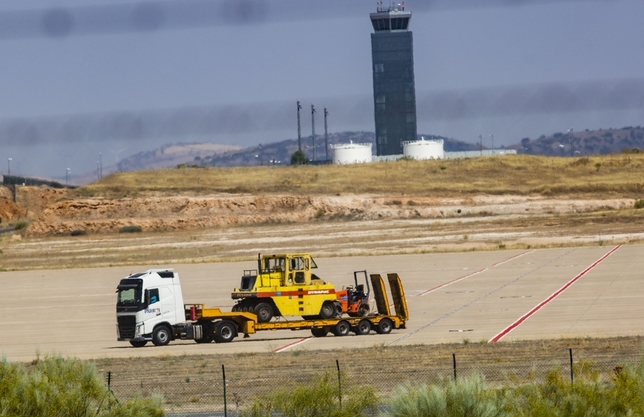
(394, 91)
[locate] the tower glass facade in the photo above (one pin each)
(394, 91)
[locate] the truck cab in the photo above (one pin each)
(148, 306)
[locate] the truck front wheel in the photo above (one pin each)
(226, 332)
(138, 343)
(161, 336)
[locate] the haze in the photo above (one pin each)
(122, 77)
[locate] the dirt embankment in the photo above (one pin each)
(184, 213)
(29, 202)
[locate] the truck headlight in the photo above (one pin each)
(139, 331)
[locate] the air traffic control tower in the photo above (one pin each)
(394, 91)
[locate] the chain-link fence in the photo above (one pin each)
(228, 390)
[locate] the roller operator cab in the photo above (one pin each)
(147, 307)
(284, 285)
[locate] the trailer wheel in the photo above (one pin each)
(384, 326)
(342, 328)
(138, 343)
(226, 332)
(327, 311)
(161, 336)
(319, 332)
(264, 312)
(363, 327)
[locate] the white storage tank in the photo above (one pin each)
(351, 153)
(424, 149)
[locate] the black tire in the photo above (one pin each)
(226, 331)
(384, 326)
(363, 327)
(235, 308)
(363, 310)
(319, 332)
(342, 328)
(204, 340)
(328, 310)
(138, 343)
(161, 336)
(264, 312)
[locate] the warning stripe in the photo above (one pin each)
(527, 315)
(290, 345)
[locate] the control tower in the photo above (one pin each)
(394, 91)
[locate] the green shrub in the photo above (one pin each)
(63, 387)
(130, 229)
(21, 225)
(317, 399)
(639, 204)
(78, 232)
(465, 397)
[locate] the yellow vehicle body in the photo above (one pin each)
(212, 324)
(284, 285)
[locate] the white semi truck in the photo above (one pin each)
(150, 308)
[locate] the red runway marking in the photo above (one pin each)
(527, 315)
(290, 345)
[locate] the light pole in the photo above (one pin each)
(481, 144)
(67, 177)
(9, 165)
(570, 138)
(492, 136)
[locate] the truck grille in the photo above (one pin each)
(127, 325)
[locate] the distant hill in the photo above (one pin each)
(587, 142)
(280, 152)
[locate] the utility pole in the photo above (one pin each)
(571, 142)
(299, 131)
(492, 143)
(313, 129)
(481, 144)
(326, 135)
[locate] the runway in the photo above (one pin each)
(491, 297)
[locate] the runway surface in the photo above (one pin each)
(495, 297)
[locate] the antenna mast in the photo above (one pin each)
(313, 129)
(326, 136)
(299, 130)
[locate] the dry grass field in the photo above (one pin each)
(612, 175)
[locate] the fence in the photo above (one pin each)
(228, 390)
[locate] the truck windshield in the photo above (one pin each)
(129, 292)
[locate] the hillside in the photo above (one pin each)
(194, 198)
(587, 142)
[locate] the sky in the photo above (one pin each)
(82, 81)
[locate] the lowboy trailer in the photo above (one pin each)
(139, 321)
